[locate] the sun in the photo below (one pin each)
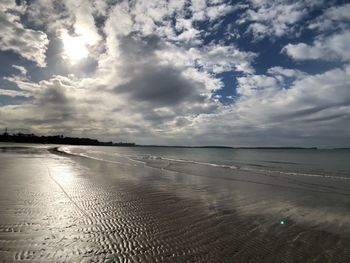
(74, 47)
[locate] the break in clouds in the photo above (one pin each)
(239, 73)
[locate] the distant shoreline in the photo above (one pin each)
(231, 147)
(163, 146)
(60, 139)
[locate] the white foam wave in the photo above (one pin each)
(297, 173)
(190, 161)
(66, 150)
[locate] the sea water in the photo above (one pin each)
(327, 162)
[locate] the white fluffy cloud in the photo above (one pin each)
(283, 116)
(213, 58)
(13, 93)
(21, 69)
(336, 17)
(332, 47)
(275, 18)
(28, 43)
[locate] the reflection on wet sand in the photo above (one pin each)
(55, 207)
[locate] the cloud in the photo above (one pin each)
(267, 114)
(162, 68)
(172, 20)
(13, 93)
(55, 104)
(21, 69)
(160, 85)
(214, 58)
(253, 84)
(210, 10)
(281, 113)
(330, 47)
(50, 15)
(147, 67)
(286, 72)
(333, 18)
(275, 18)
(84, 22)
(28, 43)
(146, 80)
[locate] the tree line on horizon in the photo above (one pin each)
(56, 139)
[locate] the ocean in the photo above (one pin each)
(332, 162)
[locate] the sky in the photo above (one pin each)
(178, 72)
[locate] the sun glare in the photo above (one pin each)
(75, 47)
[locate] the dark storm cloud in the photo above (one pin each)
(138, 48)
(54, 102)
(150, 81)
(54, 96)
(160, 85)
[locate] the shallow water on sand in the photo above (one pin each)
(59, 207)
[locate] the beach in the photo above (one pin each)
(57, 206)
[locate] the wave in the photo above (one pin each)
(150, 157)
(297, 173)
(248, 168)
(67, 151)
(144, 159)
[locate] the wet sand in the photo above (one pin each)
(60, 208)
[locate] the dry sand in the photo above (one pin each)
(56, 208)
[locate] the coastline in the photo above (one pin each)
(71, 208)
